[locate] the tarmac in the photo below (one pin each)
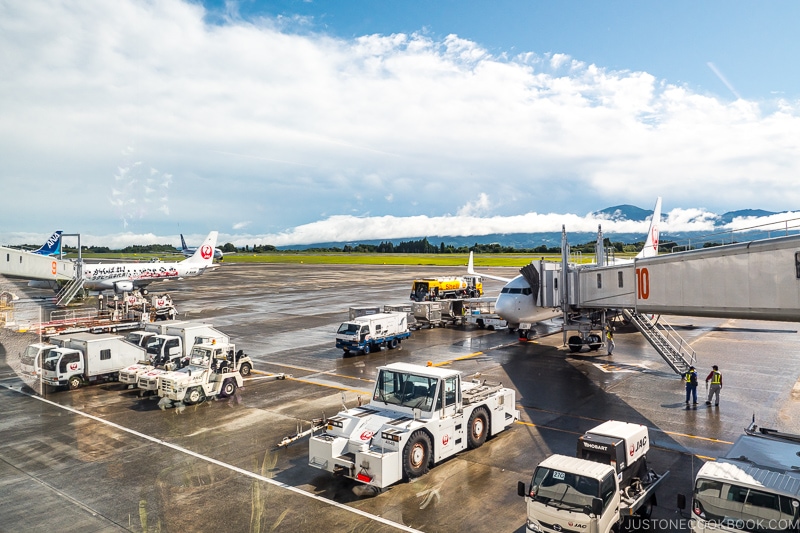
(101, 458)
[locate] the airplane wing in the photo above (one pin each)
(471, 270)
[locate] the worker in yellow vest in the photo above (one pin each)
(716, 384)
(690, 378)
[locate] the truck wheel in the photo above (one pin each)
(366, 349)
(393, 344)
(75, 382)
(595, 342)
(244, 370)
(228, 388)
(194, 395)
(417, 455)
(478, 427)
(575, 343)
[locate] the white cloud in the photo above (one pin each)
(249, 118)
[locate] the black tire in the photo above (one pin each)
(595, 342)
(393, 344)
(478, 427)
(367, 349)
(75, 382)
(575, 343)
(228, 388)
(417, 455)
(194, 395)
(245, 369)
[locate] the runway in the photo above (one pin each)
(103, 459)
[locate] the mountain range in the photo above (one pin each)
(553, 239)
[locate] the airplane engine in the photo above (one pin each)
(123, 286)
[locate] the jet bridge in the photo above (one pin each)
(758, 280)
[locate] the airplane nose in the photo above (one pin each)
(505, 306)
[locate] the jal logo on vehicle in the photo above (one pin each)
(206, 251)
(367, 435)
(73, 366)
(639, 445)
(445, 439)
(575, 524)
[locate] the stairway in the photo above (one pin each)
(69, 291)
(671, 346)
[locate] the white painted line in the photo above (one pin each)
(220, 463)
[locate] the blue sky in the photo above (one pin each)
(297, 122)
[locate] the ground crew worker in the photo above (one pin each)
(691, 385)
(609, 340)
(716, 384)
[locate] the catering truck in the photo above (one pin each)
(418, 416)
(371, 332)
(431, 289)
(601, 490)
(88, 358)
(755, 487)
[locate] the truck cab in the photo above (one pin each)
(60, 364)
(418, 416)
(31, 359)
(567, 493)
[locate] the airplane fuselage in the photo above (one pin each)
(98, 276)
(516, 304)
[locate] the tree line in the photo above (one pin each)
(422, 246)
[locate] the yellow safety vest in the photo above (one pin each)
(689, 376)
(716, 379)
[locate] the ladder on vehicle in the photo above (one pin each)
(69, 291)
(669, 345)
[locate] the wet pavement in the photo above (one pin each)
(103, 459)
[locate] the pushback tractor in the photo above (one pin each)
(418, 416)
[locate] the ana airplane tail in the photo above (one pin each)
(204, 255)
(183, 243)
(52, 246)
(651, 244)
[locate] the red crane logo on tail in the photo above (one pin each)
(206, 252)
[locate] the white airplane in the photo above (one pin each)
(517, 301)
(125, 277)
(189, 252)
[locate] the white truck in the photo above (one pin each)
(755, 487)
(480, 312)
(371, 332)
(599, 491)
(418, 416)
(172, 350)
(211, 372)
(31, 359)
(87, 358)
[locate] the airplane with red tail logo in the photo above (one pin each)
(125, 277)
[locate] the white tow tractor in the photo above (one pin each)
(418, 416)
(601, 489)
(212, 371)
